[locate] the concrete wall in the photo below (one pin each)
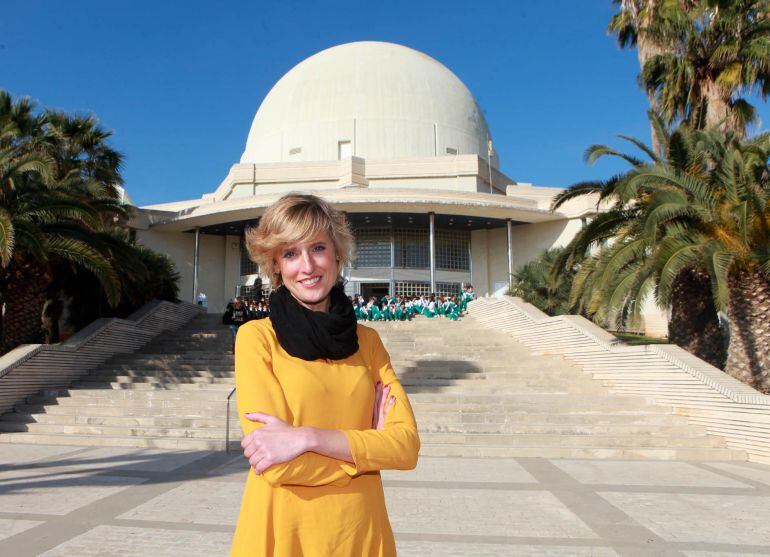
(530, 240)
(489, 251)
(490, 261)
(451, 183)
(180, 248)
(232, 267)
(380, 274)
(655, 319)
(248, 190)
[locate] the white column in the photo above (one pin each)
(196, 264)
(232, 268)
(509, 228)
(432, 237)
(392, 261)
(470, 255)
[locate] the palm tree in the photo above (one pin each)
(716, 218)
(61, 220)
(79, 145)
(716, 53)
(532, 283)
(145, 275)
(47, 211)
(615, 276)
(699, 59)
(637, 24)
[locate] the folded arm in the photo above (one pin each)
(287, 455)
(258, 390)
(397, 444)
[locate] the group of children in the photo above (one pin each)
(387, 308)
(405, 308)
(241, 310)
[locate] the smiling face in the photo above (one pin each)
(309, 270)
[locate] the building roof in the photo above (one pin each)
(354, 200)
(387, 100)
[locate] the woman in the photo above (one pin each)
(321, 408)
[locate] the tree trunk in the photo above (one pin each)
(748, 355)
(694, 324)
(646, 49)
(719, 115)
(24, 299)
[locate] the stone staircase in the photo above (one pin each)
(663, 373)
(476, 392)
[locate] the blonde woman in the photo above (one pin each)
(320, 405)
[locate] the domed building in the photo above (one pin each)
(393, 138)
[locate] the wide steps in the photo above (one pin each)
(168, 443)
(426, 426)
(663, 374)
(475, 392)
(692, 454)
(569, 440)
(428, 439)
(615, 453)
(217, 411)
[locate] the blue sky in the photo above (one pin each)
(179, 82)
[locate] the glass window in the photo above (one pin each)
(452, 250)
(372, 247)
(254, 292)
(248, 267)
(407, 288)
(422, 288)
(412, 248)
(448, 288)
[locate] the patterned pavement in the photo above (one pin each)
(67, 501)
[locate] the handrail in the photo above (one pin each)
(227, 423)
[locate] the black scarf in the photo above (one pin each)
(312, 335)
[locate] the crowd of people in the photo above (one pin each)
(405, 308)
(386, 308)
(240, 311)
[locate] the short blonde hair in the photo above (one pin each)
(296, 218)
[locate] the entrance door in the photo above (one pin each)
(376, 289)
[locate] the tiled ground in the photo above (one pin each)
(81, 502)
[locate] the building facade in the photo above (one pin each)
(395, 140)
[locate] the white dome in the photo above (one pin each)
(387, 100)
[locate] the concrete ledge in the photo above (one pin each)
(735, 410)
(27, 369)
(703, 371)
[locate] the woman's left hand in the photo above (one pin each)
(383, 402)
(274, 443)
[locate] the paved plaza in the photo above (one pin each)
(69, 501)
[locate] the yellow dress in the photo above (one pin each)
(315, 505)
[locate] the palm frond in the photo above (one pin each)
(654, 157)
(87, 257)
(595, 152)
(580, 189)
(718, 264)
(7, 237)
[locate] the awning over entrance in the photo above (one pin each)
(382, 219)
(229, 216)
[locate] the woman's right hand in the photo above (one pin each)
(383, 402)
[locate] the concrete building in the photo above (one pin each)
(393, 138)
